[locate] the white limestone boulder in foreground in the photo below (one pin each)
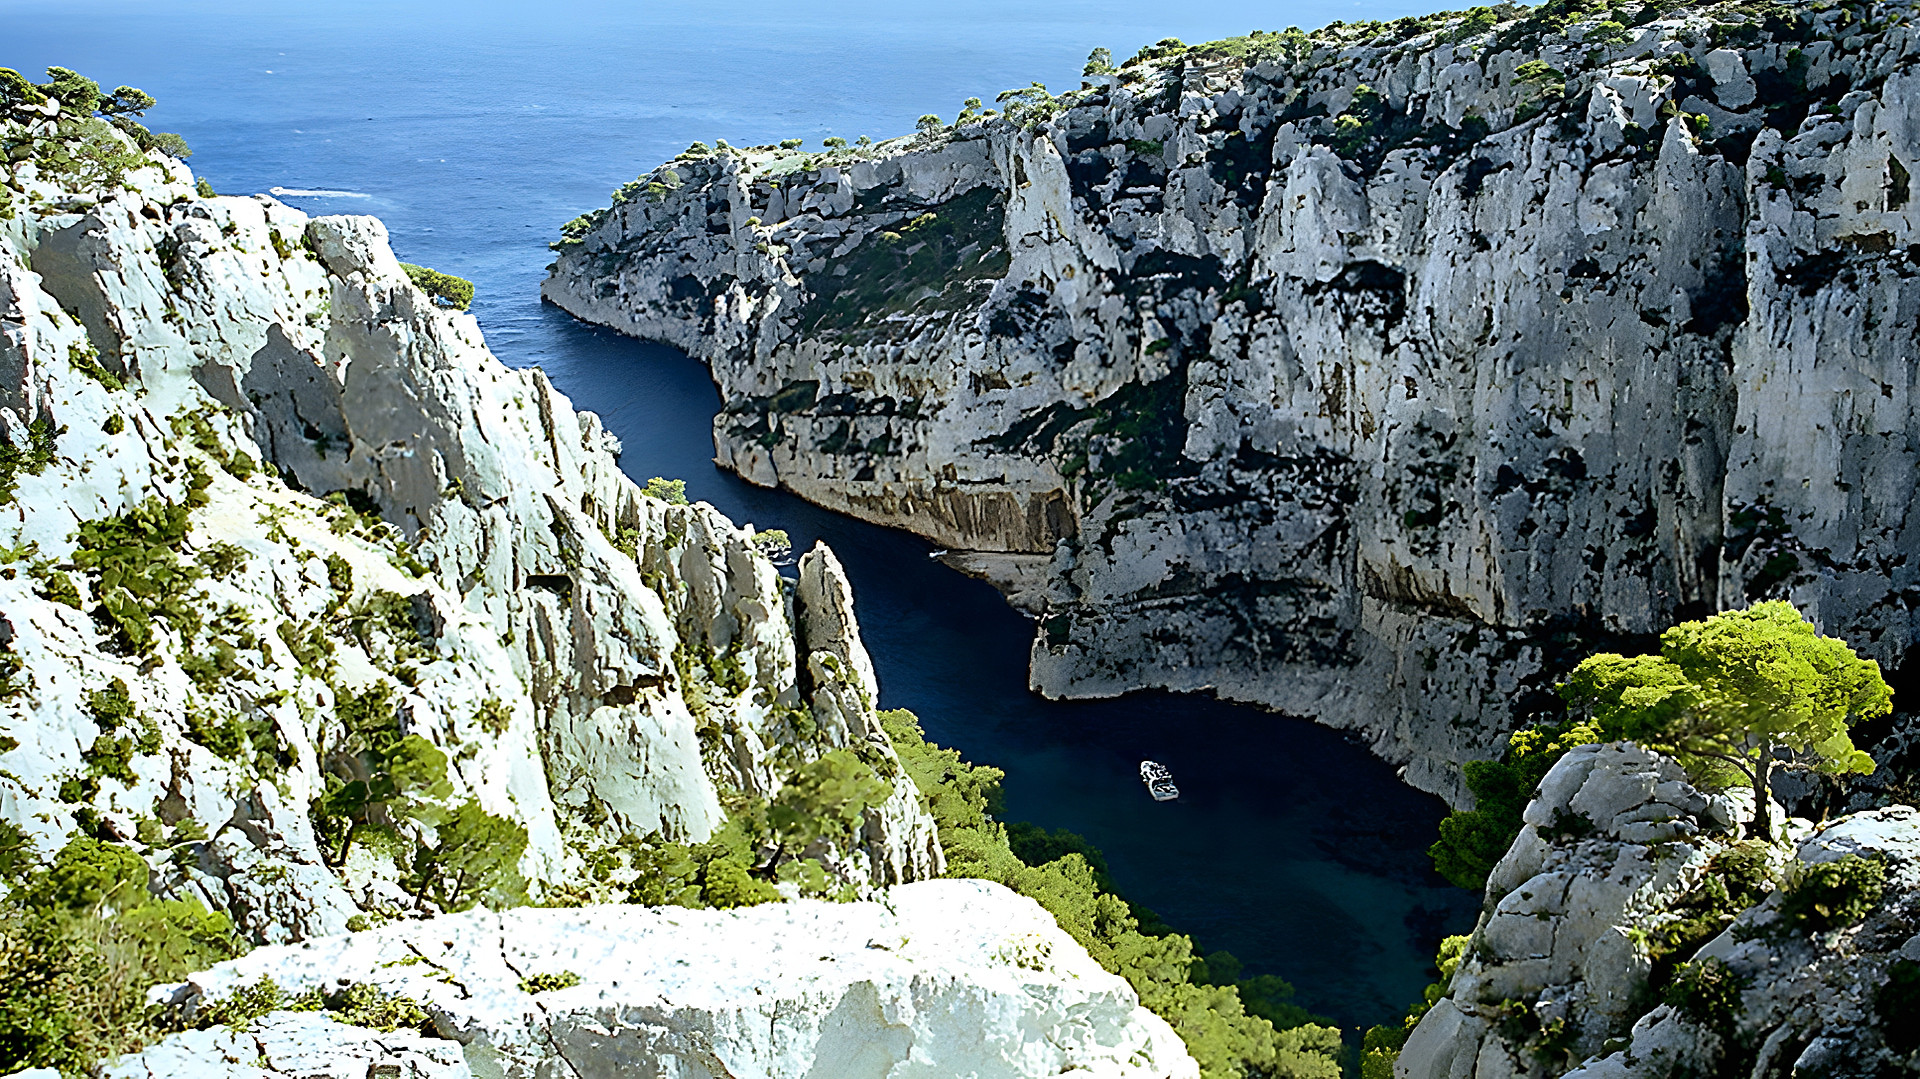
(940, 978)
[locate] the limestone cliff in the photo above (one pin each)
(1374, 375)
(940, 978)
(1627, 934)
(270, 513)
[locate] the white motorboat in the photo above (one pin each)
(1159, 781)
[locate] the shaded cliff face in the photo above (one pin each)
(263, 503)
(1375, 377)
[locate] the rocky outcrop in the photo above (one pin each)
(1375, 375)
(1624, 871)
(266, 501)
(937, 978)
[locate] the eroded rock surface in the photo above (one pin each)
(355, 508)
(1377, 377)
(1619, 876)
(936, 979)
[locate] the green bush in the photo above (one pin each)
(358, 1004)
(1708, 993)
(1473, 841)
(548, 983)
(1736, 879)
(241, 1007)
(725, 883)
(137, 574)
(375, 775)
(81, 940)
(442, 287)
(473, 859)
(1832, 895)
(712, 874)
(31, 459)
(1213, 1020)
(826, 799)
(367, 1006)
(666, 490)
(493, 716)
(773, 542)
(16, 90)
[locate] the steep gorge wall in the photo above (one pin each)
(1373, 377)
(590, 663)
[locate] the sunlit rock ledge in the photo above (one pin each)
(939, 978)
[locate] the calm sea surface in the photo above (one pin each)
(475, 129)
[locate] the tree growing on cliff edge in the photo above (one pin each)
(1739, 694)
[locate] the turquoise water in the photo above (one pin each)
(474, 130)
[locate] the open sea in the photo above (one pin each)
(475, 129)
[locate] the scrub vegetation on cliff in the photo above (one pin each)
(243, 701)
(1235, 1029)
(1734, 697)
(86, 142)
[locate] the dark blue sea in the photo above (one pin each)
(475, 129)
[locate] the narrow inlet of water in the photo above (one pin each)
(1291, 846)
(474, 130)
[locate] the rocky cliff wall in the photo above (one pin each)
(1627, 933)
(1375, 375)
(268, 509)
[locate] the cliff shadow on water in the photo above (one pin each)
(1291, 846)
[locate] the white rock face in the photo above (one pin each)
(936, 979)
(593, 663)
(1614, 844)
(1389, 439)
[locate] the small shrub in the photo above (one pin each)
(1832, 895)
(493, 716)
(222, 558)
(55, 585)
(474, 859)
(548, 983)
(442, 287)
(375, 774)
(1706, 992)
(31, 459)
(137, 574)
(666, 490)
(86, 361)
(367, 1006)
(725, 884)
(241, 1007)
(204, 189)
(825, 799)
(80, 942)
(666, 873)
(339, 575)
(774, 543)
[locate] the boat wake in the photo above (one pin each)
(317, 193)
